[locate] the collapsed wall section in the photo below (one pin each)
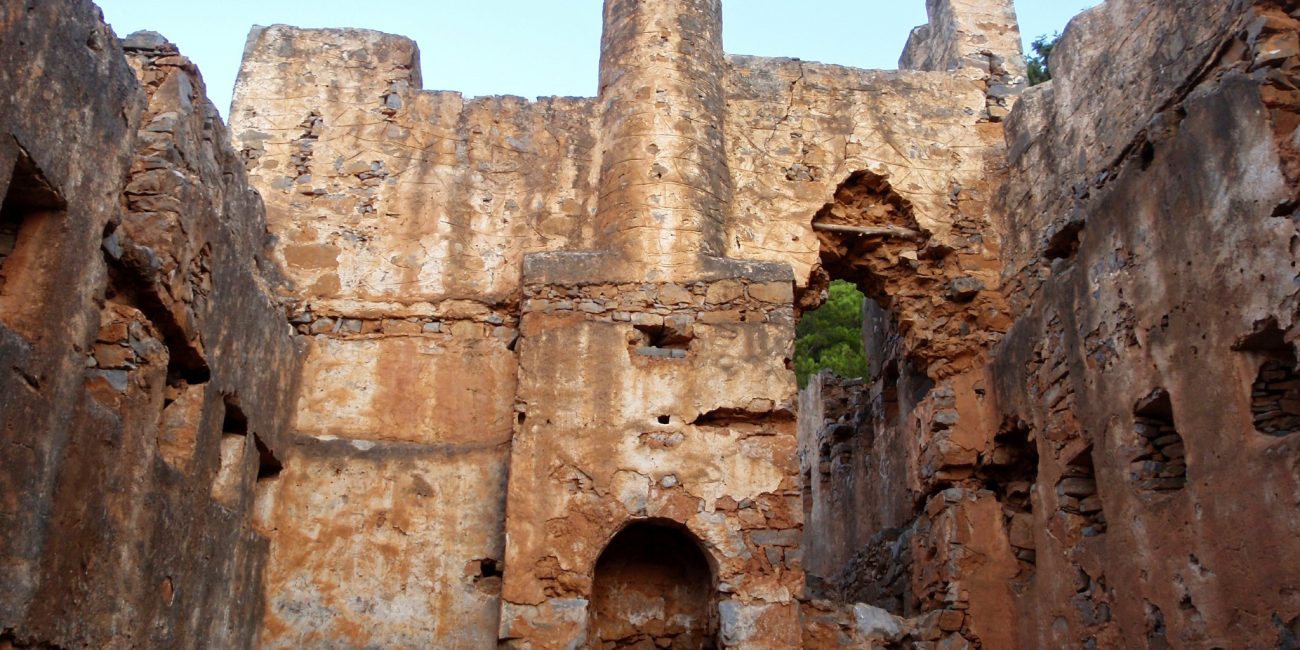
(857, 451)
(817, 147)
(907, 495)
(1107, 473)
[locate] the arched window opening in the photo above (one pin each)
(857, 373)
(653, 588)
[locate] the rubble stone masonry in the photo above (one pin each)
(380, 366)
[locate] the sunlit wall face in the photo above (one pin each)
(532, 49)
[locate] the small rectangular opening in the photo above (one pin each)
(1010, 471)
(669, 339)
(266, 486)
(234, 422)
(226, 486)
(268, 466)
(1162, 464)
(1275, 395)
(28, 216)
(1077, 493)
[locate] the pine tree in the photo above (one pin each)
(830, 338)
(1038, 63)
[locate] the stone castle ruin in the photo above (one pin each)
(381, 367)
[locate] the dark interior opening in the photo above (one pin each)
(1010, 471)
(486, 574)
(268, 466)
(1064, 244)
(889, 394)
(488, 569)
(10, 223)
(1077, 495)
(234, 422)
(1162, 464)
(185, 363)
(653, 588)
(673, 334)
(1275, 395)
(179, 373)
(28, 214)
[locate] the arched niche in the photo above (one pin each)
(942, 299)
(653, 587)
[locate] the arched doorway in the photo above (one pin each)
(653, 588)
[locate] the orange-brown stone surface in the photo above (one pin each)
(380, 366)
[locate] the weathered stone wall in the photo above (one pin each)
(979, 39)
(402, 217)
(478, 353)
(43, 383)
(1088, 480)
(1153, 188)
(463, 250)
(1112, 471)
(692, 427)
(149, 370)
(379, 192)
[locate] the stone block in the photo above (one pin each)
(876, 624)
(779, 293)
(674, 294)
(1077, 487)
(768, 537)
(951, 620)
(724, 291)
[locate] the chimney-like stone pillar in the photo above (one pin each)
(664, 184)
(976, 39)
(965, 36)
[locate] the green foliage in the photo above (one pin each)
(1039, 65)
(830, 338)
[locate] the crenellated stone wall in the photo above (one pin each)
(602, 291)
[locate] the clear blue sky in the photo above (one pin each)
(542, 47)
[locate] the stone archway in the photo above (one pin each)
(932, 307)
(943, 300)
(653, 588)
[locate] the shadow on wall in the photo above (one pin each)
(653, 588)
